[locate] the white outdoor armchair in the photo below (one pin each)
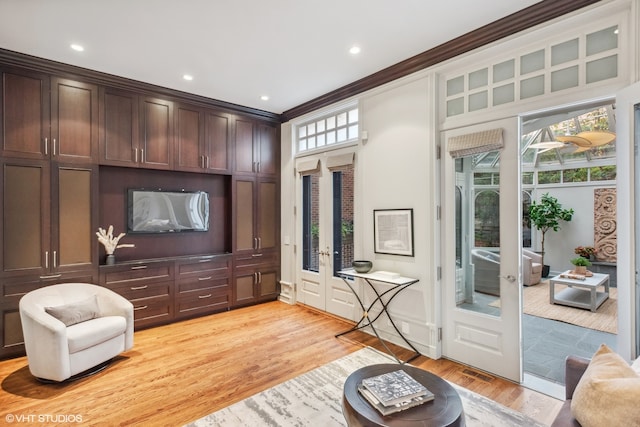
(73, 327)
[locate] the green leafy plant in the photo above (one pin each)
(546, 215)
(581, 262)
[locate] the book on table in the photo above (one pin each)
(401, 406)
(394, 391)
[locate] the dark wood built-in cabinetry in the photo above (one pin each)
(64, 131)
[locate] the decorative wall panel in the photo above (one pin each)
(605, 224)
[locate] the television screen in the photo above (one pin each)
(158, 211)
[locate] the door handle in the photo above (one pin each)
(510, 278)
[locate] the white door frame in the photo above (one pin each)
(628, 183)
(491, 343)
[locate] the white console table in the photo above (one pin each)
(398, 284)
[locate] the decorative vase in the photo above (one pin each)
(111, 259)
(581, 269)
(361, 266)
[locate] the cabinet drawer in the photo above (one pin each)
(205, 267)
(203, 301)
(201, 284)
(256, 259)
(151, 311)
(136, 291)
(130, 274)
(14, 289)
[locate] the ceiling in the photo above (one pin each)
(239, 50)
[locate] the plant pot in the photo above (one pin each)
(111, 259)
(545, 270)
(580, 269)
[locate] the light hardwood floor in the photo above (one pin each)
(180, 372)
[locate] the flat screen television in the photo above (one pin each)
(160, 211)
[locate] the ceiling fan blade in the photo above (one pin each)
(546, 145)
(598, 137)
(574, 139)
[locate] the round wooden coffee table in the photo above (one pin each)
(444, 410)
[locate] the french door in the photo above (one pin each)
(628, 169)
(480, 247)
(325, 194)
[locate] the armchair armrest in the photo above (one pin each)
(575, 366)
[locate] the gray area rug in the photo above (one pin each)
(315, 399)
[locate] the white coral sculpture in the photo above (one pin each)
(111, 243)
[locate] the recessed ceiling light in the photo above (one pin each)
(264, 97)
(354, 50)
(77, 47)
(188, 77)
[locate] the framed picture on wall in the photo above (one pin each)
(393, 231)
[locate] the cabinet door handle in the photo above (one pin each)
(142, 155)
(255, 277)
(53, 147)
(207, 162)
(46, 259)
(51, 276)
(258, 167)
(142, 307)
(205, 278)
(137, 288)
(259, 242)
(204, 296)
(139, 267)
(46, 146)
(259, 278)
(55, 259)
(135, 155)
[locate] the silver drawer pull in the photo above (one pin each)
(204, 278)
(256, 255)
(137, 288)
(52, 276)
(143, 307)
(204, 296)
(139, 267)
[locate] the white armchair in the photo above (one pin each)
(531, 268)
(73, 327)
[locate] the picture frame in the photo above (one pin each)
(393, 231)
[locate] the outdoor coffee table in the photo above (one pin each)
(580, 293)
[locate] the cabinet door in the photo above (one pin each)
(267, 150)
(244, 289)
(156, 133)
(74, 196)
(25, 216)
(245, 161)
(118, 128)
(217, 142)
(188, 142)
(244, 215)
(24, 114)
(268, 283)
(74, 121)
(268, 219)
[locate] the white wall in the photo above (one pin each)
(559, 246)
(396, 172)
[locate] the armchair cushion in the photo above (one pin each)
(93, 332)
(75, 312)
(608, 393)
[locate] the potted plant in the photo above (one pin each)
(588, 252)
(581, 264)
(546, 215)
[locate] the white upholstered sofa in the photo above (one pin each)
(73, 327)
